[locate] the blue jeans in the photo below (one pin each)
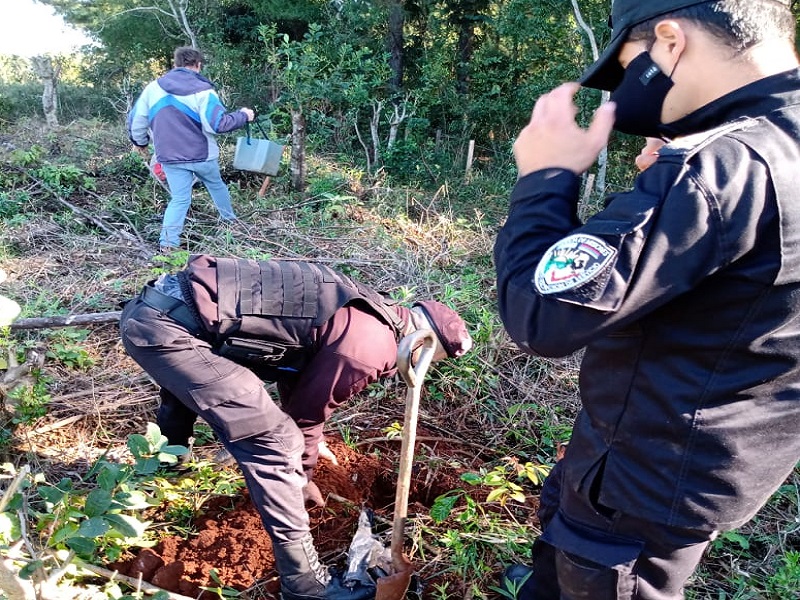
(180, 177)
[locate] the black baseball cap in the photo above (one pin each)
(606, 72)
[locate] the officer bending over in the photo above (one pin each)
(211, 335)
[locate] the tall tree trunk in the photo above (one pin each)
(48, 74)
(400, 115)
(374, 125)
(397, 19)
(367, 152)
(178, 9)
(602, 159)
(297, 164)
(466, 39)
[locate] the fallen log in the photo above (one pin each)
(66, 320)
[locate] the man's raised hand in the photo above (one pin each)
(552, 138)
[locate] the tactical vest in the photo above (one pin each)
(267, 310)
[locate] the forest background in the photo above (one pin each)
(398, 119)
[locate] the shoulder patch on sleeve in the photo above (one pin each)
(571, 262)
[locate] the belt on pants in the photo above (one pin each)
(175, 308)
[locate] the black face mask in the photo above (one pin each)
(640, 97)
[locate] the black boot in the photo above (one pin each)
(303, 577)
(539, 582)
(516, 582)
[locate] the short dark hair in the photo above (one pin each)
(186, 56)
(739, 24)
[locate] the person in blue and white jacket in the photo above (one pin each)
(181, 114)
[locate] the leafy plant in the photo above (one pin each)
(152, 450)
(186, 495)
(29, 157)
(169, 263)
(222, 591)
(66, 349)
(478, 540)
(203, 434)
(100, 520)
(335, 205)
(512, 589)
(96, 517)
(64, 179)
(729, 538)
(786, 580)
(29, 402)
(12, 205)
(443, 505)
(348, 437)
(503, 478)
(393, 431)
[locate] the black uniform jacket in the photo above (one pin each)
(685, 292)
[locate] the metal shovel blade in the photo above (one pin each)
(395, 585)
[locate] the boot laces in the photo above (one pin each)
(319, 570)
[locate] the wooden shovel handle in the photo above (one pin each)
(413, 378)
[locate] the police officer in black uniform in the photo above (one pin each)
(210, 336)
(685, 292)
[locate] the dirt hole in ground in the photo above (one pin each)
(228, 537)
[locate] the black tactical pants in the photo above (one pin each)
(586, 553)
(265, 442)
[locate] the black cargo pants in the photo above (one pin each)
(265, 441)
(589, 552)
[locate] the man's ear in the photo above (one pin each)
(671, 35)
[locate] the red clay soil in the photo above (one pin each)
(231, 539)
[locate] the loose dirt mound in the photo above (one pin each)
(230, 539)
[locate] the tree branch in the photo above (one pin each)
(136, 584)
(66, 320)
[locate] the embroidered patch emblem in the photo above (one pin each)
(571, 262)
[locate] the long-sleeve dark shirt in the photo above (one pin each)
(685, 292)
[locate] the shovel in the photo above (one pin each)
(395, 585)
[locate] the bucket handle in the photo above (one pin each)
(247, 130)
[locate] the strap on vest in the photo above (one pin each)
(228, 274)
(290, 289)
(287, 310)
(780, 150)
(246, 287)
(310, 290)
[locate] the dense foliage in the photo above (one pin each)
(385, 81)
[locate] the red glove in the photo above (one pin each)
(159, 172)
